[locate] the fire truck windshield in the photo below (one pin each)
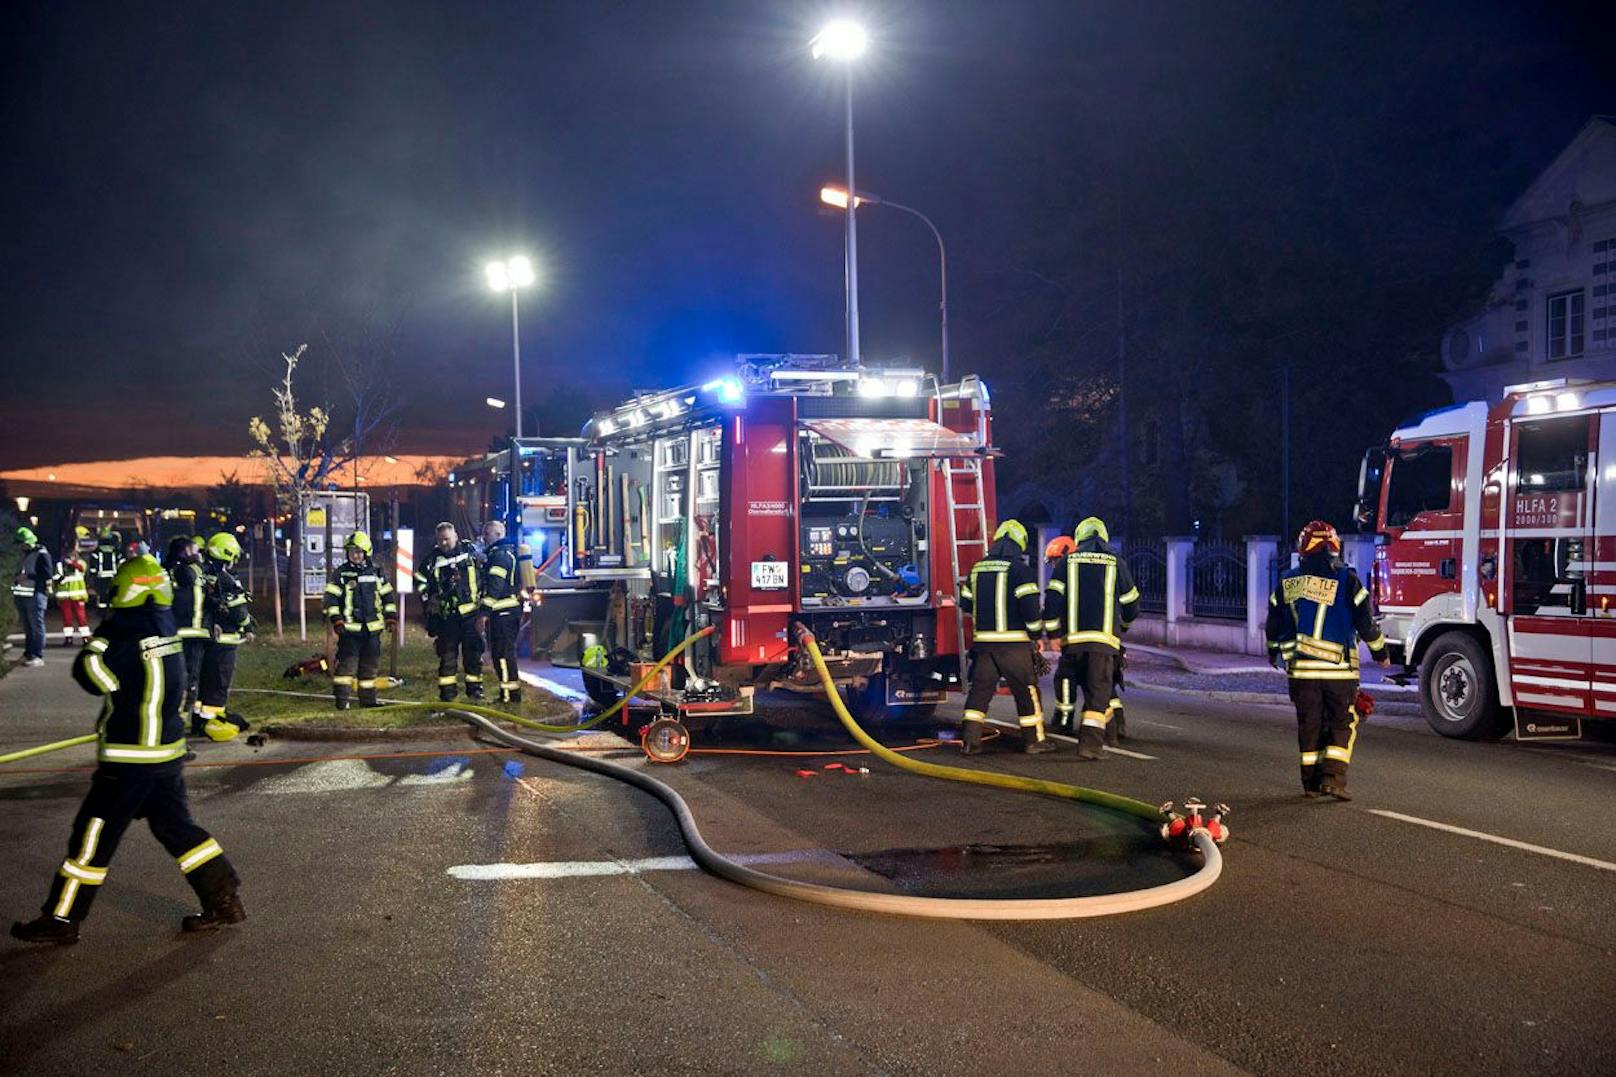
(1421, 481)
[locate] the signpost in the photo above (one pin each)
(327, 518)
(404, 580)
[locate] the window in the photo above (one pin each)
(1565, 325)
(1551, 455)
(1422, 481)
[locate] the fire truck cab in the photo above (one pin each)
(1495, 571)
(798, 491)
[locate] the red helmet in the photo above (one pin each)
(1059, 547)
(1316, 535)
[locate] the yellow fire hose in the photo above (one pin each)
(29, 753)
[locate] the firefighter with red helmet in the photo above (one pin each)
(1317, 615)
(1002, 600)
(1089, 603)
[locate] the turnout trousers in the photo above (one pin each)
(194, 649)
(214, 679)
(1013, 664)
(119, 794)
(503, 630)
(359, 658)
(1086, 674)
(1326, 727)
(457, 637)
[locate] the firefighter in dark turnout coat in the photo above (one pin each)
(451, 586)
(133, 660)
(502, 601)
(1002, 599)
(360, 605)
(1089, 603)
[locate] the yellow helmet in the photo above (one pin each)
(1092, 527)
(224, 547)
(140, 580)
(358, 541)
(1013, 530)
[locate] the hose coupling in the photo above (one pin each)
(1180, 829)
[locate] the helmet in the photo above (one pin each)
(105, 534)
(1092, 527)
(1318, 534)
(81, 531)
(141, 580)
(358, 541)
(26, 536)
(1014, 531)
(224, 547)
(1059, 546)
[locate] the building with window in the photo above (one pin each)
(1552, 314)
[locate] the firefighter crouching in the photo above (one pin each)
(1002, 599)
(1090, 602)
(451, 585)
(503, 603)
(359, 603)
(183, 560)
(1316, 617)
(230, 624)
(134, 661)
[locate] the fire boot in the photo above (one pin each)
(1033, 741)
(219, 912)
(971, 735)
(1116, 730)
(1335, 787)
(1090, 742)
(216, 885)
(48, 930)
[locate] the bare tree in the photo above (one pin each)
(298, 451)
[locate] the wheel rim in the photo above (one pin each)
(1456, 689)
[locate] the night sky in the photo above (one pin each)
(190, 188)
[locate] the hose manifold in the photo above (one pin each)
(1181, 829)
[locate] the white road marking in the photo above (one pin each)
(1575, 858)
(1157, 725)
(575, 869)
(1002, 724)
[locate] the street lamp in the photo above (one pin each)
(22, 504)
(836, 196)
(845, 41)
(495, 402)
(512, 275)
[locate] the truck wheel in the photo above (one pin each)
(1457, 690)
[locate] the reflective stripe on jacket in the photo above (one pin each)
(1091, 597)
(360, 596)
(1316, 615)
(1002, 597)
(135, 662)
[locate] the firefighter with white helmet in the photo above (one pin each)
(1316, 617)
(230, 624)
(1090, 601)
(1002, 600)
(360, 605)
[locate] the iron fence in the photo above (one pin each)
(1218, 581)
(1148, 563)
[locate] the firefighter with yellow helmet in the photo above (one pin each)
(1316, 617)
(134, 662)
(359, 603)
(1090, 601)
(1002, 600)
(230, 624)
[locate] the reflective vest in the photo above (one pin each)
(502, 594)
(1091, 599)
(139, 668)
(70, 585)
(225, 605)
(104, 562)
(1316, 615)
(361, 597)
(1002, 597)
(33, 574)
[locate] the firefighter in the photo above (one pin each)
(1089, 604)
(503, 603)
(134, 661)
(1002, 599)
(1055, 565)
(103, 565)
(72, 592)
(450, 582)
(359, 603)
(230, 624)
(183, 560)
(1316, 616)
(30, 593)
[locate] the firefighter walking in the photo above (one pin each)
(503, 603)
(1316, 617)
(1090, 602)
(183, 560)
(230, 624)
(134, 661)
(360, 605)
(1002, 600)
(451, 585)
(103, 565)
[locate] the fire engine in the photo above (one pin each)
(1495, 568)
(798, 490)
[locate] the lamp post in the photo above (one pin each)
(835, 196)
(512, 275)
(845, 41)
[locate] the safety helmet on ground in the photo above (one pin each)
(140, 580)
(1014, 531)
(1092, 527)
(224, 547)
(26, 536)
(1059, 547)
(358, 541)
(1316, 535)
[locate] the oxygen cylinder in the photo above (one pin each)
(524, 567)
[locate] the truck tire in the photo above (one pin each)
(1458, 690)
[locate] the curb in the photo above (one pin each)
(1185, 664)
(1260, 698)
(301, 731)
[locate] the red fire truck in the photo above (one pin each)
(1495, 573)
(798, 490)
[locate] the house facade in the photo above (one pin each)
(1552, 313)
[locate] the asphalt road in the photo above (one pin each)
(1338, 941)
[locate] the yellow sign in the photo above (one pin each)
(316, 515)
(1313, 588)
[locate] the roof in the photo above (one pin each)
(1583, 172)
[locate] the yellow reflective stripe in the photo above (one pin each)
(1318, 620)
(151, 703)
(99, 674)
(367, 684)
(1342, 754)
(1096, 719)
(87, 875)
(1131, 596)
(65, 905)
(447, 680)
(975, 716)
(128, 753)
(1093, 637)
(467, 607)
(1011, 635)
(92, 837)
(498, 571)
(1110, 601)
(200, 855)
(1361, 597)
(1057, 585)
(332, 589)
(339, 680)
(98, 645)
(1309, 758)
(1026, 589)
(1029, 719)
